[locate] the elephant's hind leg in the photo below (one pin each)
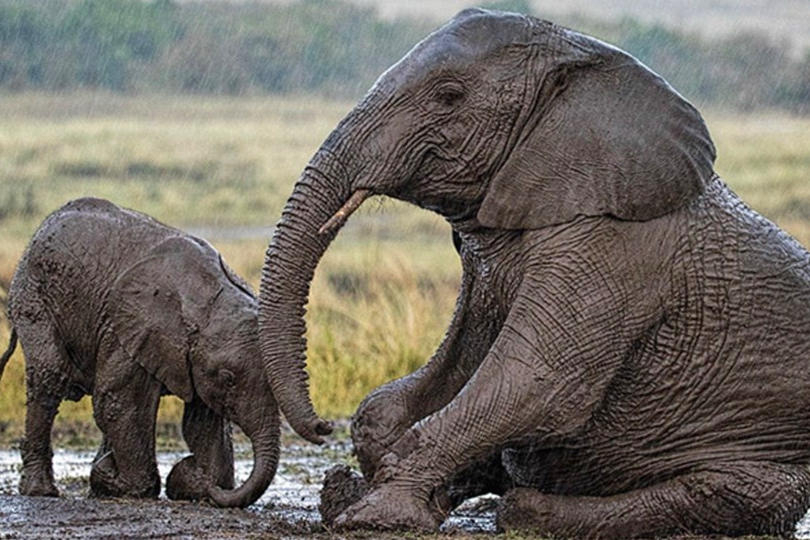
(37, 456)
(730, 499)
(46, 386)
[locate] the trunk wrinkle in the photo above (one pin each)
(265, 463)
(290, 262)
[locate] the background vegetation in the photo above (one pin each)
(332, 47)
(222, 167)
(203, 115)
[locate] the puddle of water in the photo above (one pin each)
(294, 492)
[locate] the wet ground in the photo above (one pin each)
(289, 508)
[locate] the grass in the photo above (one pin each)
(766, 159)
(215, 164)
(384, 293)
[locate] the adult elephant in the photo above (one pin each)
(630, 344)
(111, 303)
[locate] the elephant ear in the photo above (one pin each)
(157, 304)
(607, 136)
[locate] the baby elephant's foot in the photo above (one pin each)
(187, 481)
(37, 483)
(107, 481)
(342, 487)
(389, 508)
(104, 477)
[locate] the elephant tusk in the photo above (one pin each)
(340, 217)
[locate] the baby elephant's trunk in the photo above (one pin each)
(265, 462)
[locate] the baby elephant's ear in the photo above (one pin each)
(612, 138)
(157, 303)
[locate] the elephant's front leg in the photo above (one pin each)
(125, 406)
(392, 409)
(424, 462)
(734, 499)
(536, 383)
(208, 436)
(388, 412)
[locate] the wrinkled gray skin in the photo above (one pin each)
(110, 303)
(629, 350)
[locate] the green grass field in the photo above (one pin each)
(385, 291)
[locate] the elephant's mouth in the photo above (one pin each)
(339, 218)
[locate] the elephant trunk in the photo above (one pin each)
(300, 240)
(265, 462)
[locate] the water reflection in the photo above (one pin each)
(294, 492)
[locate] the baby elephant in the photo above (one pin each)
(110, 303)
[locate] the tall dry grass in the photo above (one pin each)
(217, 165)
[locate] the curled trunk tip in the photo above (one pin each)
(265, 462)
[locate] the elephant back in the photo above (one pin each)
(71, 263)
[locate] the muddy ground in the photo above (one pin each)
(288, 510)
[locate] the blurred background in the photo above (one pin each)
(203, 113)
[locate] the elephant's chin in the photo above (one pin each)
(265, 462)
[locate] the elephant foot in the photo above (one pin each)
(187, 481)
(389, 508)
(104, 477)
(37, 484)
(106, 481)
(342, 487)
(526, 509)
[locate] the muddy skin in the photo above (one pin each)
(289, 508)
(108, 302)
(342, 487)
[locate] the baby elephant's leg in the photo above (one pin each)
(46, 386)
(37, 473)
(125, 405)
(730, 499)
(208, 436)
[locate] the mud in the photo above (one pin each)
(289, 508)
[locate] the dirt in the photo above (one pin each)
(289, 508)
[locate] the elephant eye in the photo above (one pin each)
(449, 95)
(226, 377)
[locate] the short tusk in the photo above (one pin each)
(340, 217)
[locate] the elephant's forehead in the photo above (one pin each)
(457, 44)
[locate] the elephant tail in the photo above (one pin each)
(12, 344)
